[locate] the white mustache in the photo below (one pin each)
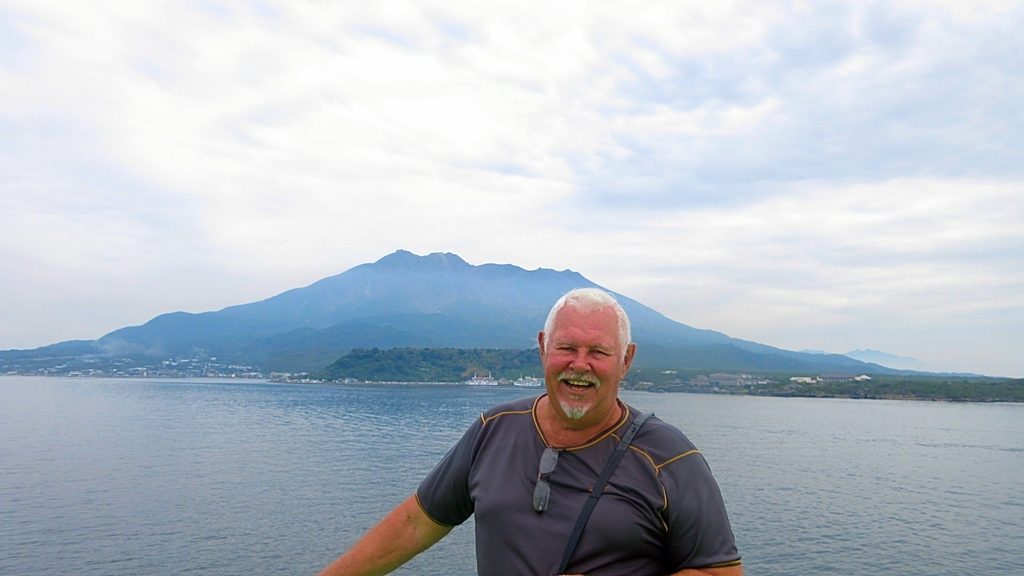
(581, 376)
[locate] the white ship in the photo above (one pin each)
(481, 381)
(528, 381)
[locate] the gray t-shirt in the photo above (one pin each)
(661, 512)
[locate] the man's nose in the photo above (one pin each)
(579, 361)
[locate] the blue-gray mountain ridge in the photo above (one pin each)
(435, 301)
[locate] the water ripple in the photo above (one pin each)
(141, 477)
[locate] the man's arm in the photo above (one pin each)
(402, 534)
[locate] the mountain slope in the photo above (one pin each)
(429, 295)
(433, 301)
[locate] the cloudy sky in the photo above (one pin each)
(810, 175)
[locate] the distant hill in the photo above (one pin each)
(889, 360)
(433, 365)
(409, 301)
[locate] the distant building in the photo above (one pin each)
(803, 379)
(701, 381)
(730, 379)
(723, 380)
(837, 377)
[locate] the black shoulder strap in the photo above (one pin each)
(602, 481)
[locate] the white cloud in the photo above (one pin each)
(831, 266)
(817, 166)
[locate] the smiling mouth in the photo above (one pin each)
(577, 385)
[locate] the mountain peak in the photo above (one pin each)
(406, 259)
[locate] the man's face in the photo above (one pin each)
(583, 364)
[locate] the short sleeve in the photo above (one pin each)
(444, 493)
(699, 532)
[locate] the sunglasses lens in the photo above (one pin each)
(540, 496)
(548, 461)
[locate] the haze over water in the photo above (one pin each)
(145, 477)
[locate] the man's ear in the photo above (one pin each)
(627, 360)
(540, 342)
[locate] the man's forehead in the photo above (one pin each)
(603, 321)
(604, 344)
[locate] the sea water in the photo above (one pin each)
(138, 477)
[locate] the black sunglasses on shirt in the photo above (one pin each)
(542, 492)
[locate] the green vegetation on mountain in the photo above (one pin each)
(432, 364)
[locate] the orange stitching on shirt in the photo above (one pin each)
(683, 455)
(488, 419)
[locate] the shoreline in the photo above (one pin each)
(757, 392)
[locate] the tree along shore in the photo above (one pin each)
(452, 365)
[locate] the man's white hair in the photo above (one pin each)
(590, 300)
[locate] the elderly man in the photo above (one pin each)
(526, 469)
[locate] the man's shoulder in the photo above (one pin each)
(519, 407)
(663, 443)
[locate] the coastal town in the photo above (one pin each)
(129, 368)
(957, 388)
(721, 381)
(211, 368)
